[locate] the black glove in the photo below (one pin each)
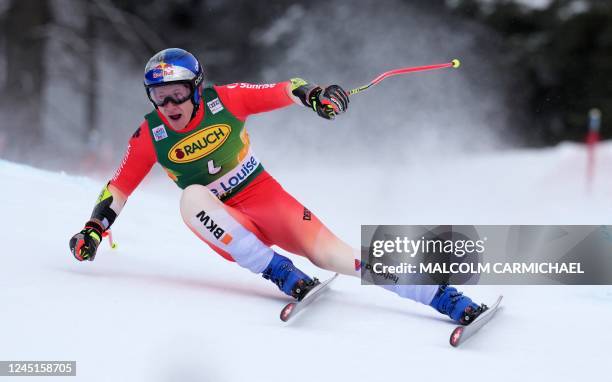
(84, 244)
(328, 102)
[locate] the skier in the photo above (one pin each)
(229, 201)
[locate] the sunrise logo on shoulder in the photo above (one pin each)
(199, 144)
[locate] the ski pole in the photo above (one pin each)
(592, 139)
(453, 64)
(109, 234)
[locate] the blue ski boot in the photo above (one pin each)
(288, 278)
(453, 303)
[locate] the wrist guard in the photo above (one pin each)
(304, 91)
(102, 211)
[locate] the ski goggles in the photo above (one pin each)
(176, 93)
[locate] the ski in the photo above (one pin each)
(293, 308)
(462, 333)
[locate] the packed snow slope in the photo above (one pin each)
(164, 307)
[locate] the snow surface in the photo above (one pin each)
(164, 307)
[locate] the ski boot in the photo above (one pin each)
(453, 303)
(288, 278)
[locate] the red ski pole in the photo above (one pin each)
(453, 64)
(109, 235)
(591, 140)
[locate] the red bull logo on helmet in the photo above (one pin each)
(163, 70)
(169, 72)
